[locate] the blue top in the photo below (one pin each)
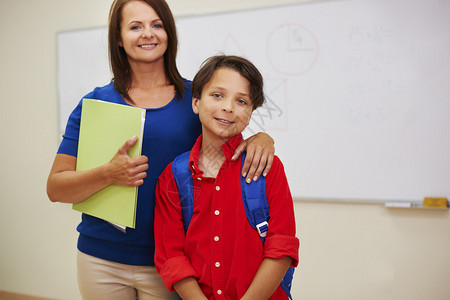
(169, 131)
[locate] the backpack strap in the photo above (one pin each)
(183, 179)
(286, 283)
(255, 203)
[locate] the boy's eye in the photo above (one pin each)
(241, 101)
(216, 95)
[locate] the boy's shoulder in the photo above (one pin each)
(277, 164)
(168, 173)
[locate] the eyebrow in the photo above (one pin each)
(224, 89)
(140, 22)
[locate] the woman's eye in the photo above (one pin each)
(135, 27)
(158, 25)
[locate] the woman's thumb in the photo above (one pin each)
(128, 144)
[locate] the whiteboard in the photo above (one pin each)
(358, 91)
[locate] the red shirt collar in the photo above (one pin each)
(228, 149)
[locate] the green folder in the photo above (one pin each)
(104, 128)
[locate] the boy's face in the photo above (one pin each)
(225, 106)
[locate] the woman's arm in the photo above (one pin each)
(67, 185)
(188, 289)
(267, 278)
(260, 152)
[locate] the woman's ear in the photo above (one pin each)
(195, 105)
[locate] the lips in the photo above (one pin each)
(148, 46)
(223, 121)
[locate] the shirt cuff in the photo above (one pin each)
(279, 246)
(176, 269)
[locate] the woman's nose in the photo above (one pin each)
(147, 32)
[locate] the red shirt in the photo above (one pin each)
(221, 249)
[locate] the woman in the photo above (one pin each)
(142, 47)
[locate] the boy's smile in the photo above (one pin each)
(225, 106)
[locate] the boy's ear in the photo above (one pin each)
(195, 105)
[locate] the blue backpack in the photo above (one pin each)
(253, 196)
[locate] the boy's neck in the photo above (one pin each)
(211, 156)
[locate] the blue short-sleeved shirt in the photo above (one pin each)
(169, 131)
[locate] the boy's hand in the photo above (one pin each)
(267, 278)
(188, 289)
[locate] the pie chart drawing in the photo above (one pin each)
(292, 49)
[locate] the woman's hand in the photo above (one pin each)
(260, 152)
(125, 170)
(67, 185)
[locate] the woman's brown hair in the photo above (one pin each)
(118, 57)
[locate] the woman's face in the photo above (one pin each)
(144, 38)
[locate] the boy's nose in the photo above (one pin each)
(227, 105)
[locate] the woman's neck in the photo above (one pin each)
(150, 87)
(148, 75)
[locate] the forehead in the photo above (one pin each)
(228, 78)
(138, 10)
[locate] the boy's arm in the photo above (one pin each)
(281, 245)
(170, 259)
(280, 240)
(188, 288)
(267, 278)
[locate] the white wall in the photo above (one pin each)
(348, 251)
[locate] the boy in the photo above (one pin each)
(221, 256)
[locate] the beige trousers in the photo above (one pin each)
(100, 279)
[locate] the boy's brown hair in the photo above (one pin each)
(237, 63)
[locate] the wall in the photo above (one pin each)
(358, 86)
(348, 251)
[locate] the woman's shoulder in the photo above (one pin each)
(106, 93)
(187, 94)
(188, 85)
(187, 81)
